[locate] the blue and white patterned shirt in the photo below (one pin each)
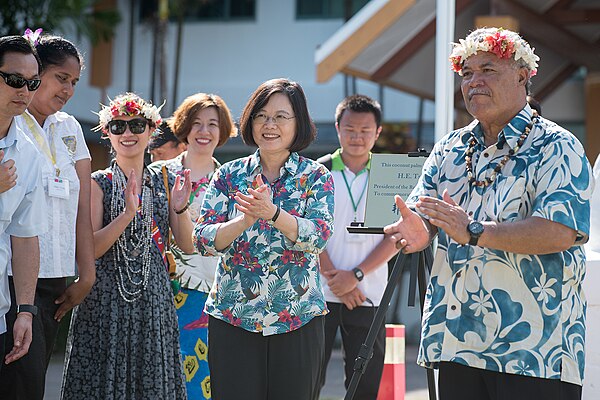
(514, 313)
(266, 283)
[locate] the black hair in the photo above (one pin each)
(54, 50)
(17, 44)
(361, 104)
(306, 132)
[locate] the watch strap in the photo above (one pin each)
(30, 308)
(358, 274)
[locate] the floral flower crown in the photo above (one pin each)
(501, 42)
(129, 105)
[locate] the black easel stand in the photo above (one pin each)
(418, 263)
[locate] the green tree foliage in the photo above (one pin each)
(51, 15)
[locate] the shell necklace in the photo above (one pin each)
(132, 248)
(511, 152)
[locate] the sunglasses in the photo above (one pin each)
(136, 126)
(17, 82)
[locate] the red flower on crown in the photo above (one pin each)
(500, 45)
(132, 108)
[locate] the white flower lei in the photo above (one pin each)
(128, 104)
(501, 42)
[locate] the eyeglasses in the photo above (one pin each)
(17, 82)
(279, 119)
(136, 126)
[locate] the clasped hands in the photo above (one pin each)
(257, 204)
(411, 233)
(180, 193)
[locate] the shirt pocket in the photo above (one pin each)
(506, 203)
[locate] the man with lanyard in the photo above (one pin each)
(509, 197)
(22, 206)
(354, 266)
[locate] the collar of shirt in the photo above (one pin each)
(337, 163)
(176, 164)
(291, 165)
(11, 137)
(510, 134)
(57, 117)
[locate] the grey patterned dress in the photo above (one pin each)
(121, 350)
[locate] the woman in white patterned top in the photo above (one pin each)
(203, 122)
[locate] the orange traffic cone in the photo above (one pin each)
(393, 379)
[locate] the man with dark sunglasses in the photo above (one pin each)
(22, 216)
(17, 81)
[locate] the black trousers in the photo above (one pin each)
(3, 351)
(250, 366)
(459, 382)
(354, 326)
(25, 379)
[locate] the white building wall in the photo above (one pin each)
(232, 58)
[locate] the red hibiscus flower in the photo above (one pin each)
(284, 316)
(295, 323)
(263, 225)
(287, 257)
(237, 259)
(227, 314)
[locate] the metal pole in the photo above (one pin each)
(420, 122)
(444, 79)
(180, 14)
(130, 49)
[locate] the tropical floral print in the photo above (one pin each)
(266, 283)
(516, 313)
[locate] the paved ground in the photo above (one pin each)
(416, 381)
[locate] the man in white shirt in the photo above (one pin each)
(354, 266)
(22, 205)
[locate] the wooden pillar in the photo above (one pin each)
(497, 21)
(101, 59)
(592, 116)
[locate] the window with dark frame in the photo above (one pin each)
(327, 9)
(205, 10)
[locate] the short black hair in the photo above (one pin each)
(306, 132)
(54, 50)
(361, 104)
(17, 44)
(163, 135)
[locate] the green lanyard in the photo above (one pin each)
(355, 204)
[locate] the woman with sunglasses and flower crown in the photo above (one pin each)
(124, 339)
(65, 163)
(202, 122)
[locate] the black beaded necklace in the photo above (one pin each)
(511, 152)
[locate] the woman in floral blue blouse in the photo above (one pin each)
(268, 216)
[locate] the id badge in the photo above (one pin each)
(58, 187)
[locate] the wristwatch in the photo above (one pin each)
(358, 274)
(30, 308)
(475, 229)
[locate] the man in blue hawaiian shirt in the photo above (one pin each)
(508, 196)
